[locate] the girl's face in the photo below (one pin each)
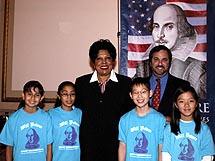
(32, 98)
(140, 95)
(67, 97)
(186, 104)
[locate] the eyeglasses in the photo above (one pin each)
(65, 95)
(136, 93)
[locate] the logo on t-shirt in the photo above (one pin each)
(33, 139)
(141, 143)
(71, 136)
(187, 150)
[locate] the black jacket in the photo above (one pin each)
(100, 116)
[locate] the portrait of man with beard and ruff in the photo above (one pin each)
(170, 28)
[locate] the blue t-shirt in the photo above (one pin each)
(29, 134)
(187, 145)
(66, 146)
(142, 135)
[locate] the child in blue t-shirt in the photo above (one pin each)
(66, 120)
(27, 133)
(141, 129)
(186, 138)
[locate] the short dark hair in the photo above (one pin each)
(140, 81)
(157, 49)
(102, 44)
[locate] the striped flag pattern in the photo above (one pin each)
(140, 12)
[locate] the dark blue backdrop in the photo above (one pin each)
(211, 62)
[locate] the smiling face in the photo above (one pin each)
(32, 99)
(186, 104)
(160, 63)
(165, 28)
(140, 95)
(103, 65)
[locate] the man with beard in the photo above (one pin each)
(160, 58)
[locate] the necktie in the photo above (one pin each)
(156, 95)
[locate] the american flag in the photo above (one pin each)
(135, 14)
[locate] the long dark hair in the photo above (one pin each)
(60, 88)
(176, 115)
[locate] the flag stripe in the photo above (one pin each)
(143, 47)
(138, 48)
(132, 64)
(190, 13)
(188, 1)
(190, 6)
(136, 40)
(197, 21)
(200, 29)
(201, 47)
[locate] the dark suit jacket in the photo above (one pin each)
(166, 102)
(100, 116)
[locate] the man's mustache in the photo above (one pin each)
(160, 66)
(161, 41)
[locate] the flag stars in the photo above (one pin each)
(149, 19)
(139, 14)
(142, 15)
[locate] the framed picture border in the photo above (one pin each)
(9, 95)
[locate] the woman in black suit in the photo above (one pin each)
(103, 97)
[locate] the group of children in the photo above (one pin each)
(144, 134)
(31, 134)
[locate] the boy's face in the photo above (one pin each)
(140, 94)
(32, 98)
